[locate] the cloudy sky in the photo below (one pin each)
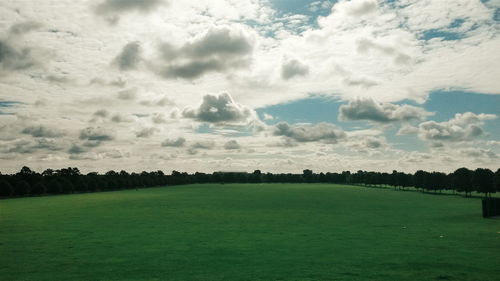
(238, 85)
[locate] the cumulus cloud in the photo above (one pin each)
(146, 132)
(319, 5)
(205, 145)
(12, 58)
(232, 144)
(42, 132)
(359, 82)
(31, 146)
(120, 118)
(367, 143)
(355, 8)
(220, 109)
(77, 149)
(478, 153)
(324, 132)
(23, 27)
(128, 94)
(368, 109)
(97, 134)
(158, 118)
(129, 57)
(293, 68)
(119, 83)
(462, 127)
(373, 142)
(407, 130)
(218, 50)
(103, 113)
(365, 45)
(267, 116)
(165, 101)
(178, 142)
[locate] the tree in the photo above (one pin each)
(256, 176)
(5, 188)
(484, 181)
(497, 180)
(462, 180)
(418, 179)
(22, 187)
(25, 171)
(66, 186)
(38, 188)
(48, 172)
(307, 175)
(54, 187)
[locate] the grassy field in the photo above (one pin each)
(248, 232)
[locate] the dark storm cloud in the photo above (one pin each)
(219, 109)
(121, 6)
(178, 142)
(42, 132)
(293, 68)
(325, 132)
(220, 49)
(129, 57)
(368, 109)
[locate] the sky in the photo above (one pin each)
(240, 85)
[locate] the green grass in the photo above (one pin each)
(248, 232)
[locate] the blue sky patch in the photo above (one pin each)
(445, 104)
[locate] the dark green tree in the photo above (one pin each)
(22, 187)
(6, 189)
(462, 180)
(484, 181)
(39, 188)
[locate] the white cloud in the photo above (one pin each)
(231, 145)
(178, 142)
(57, 57)
(220, 109)
(368, 109)
(218, 50)
(129, 57)
(293, 68)
(325, 132)
(462, 127)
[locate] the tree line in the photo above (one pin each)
(27, 182)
